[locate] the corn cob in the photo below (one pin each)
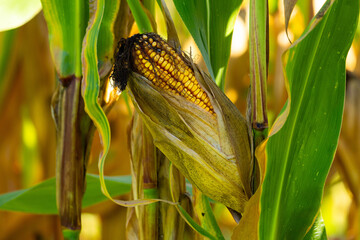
(150, 56)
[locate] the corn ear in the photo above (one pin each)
(205, 137)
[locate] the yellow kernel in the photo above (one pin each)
(150, 40)
(138, 52)
(144, 61)
(193, 99)
(166, 56)
(186, 72)
(151, 76)
(187, 84)
(144, 36)
(181, 77)
(207, 109)
(182, 70)
(164, 64)
(153, 44)
(194, 88)
(146, 74)
(171, 69)
(197, 91)
(178, 84)
(160, 60)
(190, 76)
(180, 88)
(191, 85)
(140, 57)
(186, 79)
(166, 87)
(197, 101)
(200, 94)
(156, 58)
(201, 104)
(151, 68)
(206, 100)
(203, 96)
(147, 64)
(162, 53)
(167, 66)
(171, 81)
(152, 55)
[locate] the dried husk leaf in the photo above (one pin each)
(211, 150)
(144, 179)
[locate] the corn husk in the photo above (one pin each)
(211, 150)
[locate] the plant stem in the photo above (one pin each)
(70, 172)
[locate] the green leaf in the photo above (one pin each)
(41, 199)
(66, 21)
(299, 154)
(91, 87)
(317, 231)
(140, 16)
(105, 45)
(205, 214)
(14, 14)
(211, 24)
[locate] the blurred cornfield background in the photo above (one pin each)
(28, 135)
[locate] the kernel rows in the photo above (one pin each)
(158, 62)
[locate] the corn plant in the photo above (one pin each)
(184, 129)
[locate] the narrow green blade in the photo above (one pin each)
(41, 199)
(211, 24)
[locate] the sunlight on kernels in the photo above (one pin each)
(232, 94)
(240, 38)
(91, 227)
(351, 60)
(283, 40)
(317, 4)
